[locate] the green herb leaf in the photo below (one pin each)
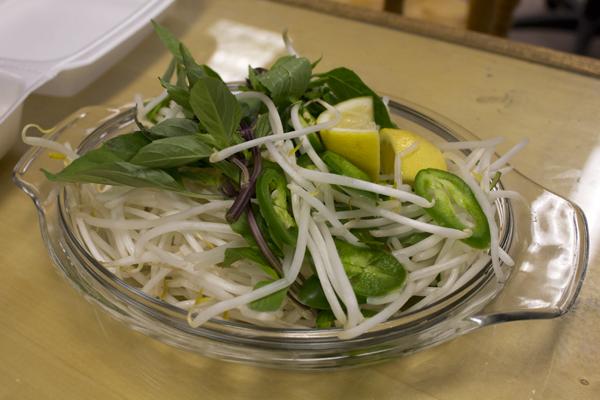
(172, 152)
(209, 177)
(248, 253)
(168, 74)
(174, 127)
(268, 303)
(346, 84)
(168, 39)
(101, 166)
(254, 82)
(262, 126)
(178, 94)
(287, 78)
(242, 227)
(216, 108)
(371, 272)
(125, 146)
(193, 70)
(229, 170)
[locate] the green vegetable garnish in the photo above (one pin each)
(312, 295)
(272, 194)
(341, 166)
(371, 272)
(455, 205)
(325, 319)
(272, 302)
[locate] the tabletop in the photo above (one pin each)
(54, 344)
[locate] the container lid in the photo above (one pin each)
(45, 37)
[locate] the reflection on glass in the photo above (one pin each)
(240, 45)
(587, 194)
(552, 247)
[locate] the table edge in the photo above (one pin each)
(553, 58)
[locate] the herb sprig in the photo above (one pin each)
(166, 154)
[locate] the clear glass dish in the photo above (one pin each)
(547, 238)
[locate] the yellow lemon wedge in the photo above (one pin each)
(356, 136)
(426, 154)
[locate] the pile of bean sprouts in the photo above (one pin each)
(170, 245)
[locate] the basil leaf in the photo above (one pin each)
(168, 74)
(287, 78)
(248, 253)
(242, 227)
(207, 175)
(262, 126)
(174, 127)
(168, 39)
(271, 302)
(229, 169)
(193, 70)
(253, 81)
(250, 108)
(125, 146)
(345, 84)
(110, 172)
(172, 152)
(371, 272)
(216, 108)
(178, 94)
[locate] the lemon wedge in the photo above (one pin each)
(356, 136)
(426, 154)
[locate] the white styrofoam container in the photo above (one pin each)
(57, 47)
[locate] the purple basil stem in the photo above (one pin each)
(245, 173)
(247, 190)
(243, 197)
(262, 243)
(228, 189)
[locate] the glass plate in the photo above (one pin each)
(547, 238)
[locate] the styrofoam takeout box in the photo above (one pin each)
(57, 47)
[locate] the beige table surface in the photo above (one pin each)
(54, 345)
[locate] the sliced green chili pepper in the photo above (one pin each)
(305, 162)
(272, 194)
(455, 205)
(371, 272)
(315, 142)
(341, 166)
